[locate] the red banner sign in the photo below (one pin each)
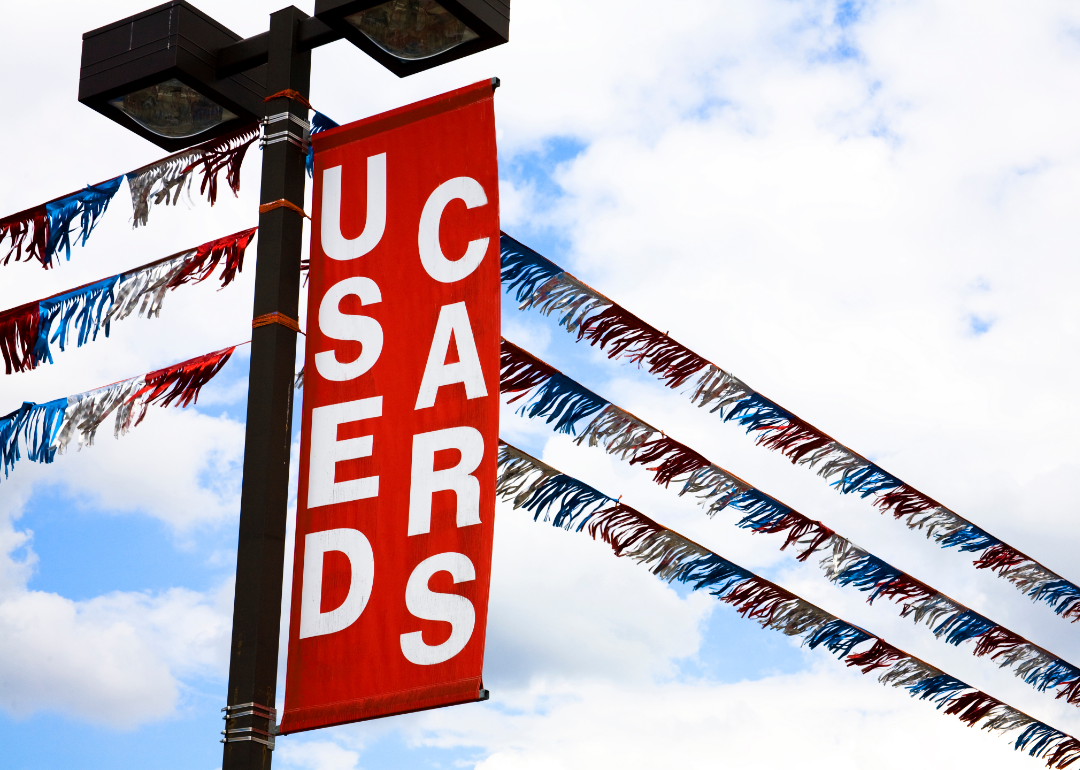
(396, 503)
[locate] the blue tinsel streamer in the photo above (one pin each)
(867, 481)
(963, 626)
(970, 539)
(319, 123)
(1040, 736)
(713, 572)
(82, 307)
(88, 205)
(33, 428)
(938, 689)
(838, 637)
(523, 270)
(1053, 675)
(755, 412)
(39, 426)
(1060, 594)
(564, 402)
(760, 509)
(9, 445)
(869, 574)
(577, 502)
(572, 497)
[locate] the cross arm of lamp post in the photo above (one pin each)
(252, 52)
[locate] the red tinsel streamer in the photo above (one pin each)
(1070, 691)
(520, 371)
(675, 459)
(797, 527)
(618, 331)
(226, 153)
(182, 382)
(905, 587)
(998, 558)
(793, 440)
(881, 655)
(621, 527)
(971, 707)
(28, 228)
(208, 256)
(904, 501)
(18, 333)
(998, 641)
(757, 599)
(1064, 754)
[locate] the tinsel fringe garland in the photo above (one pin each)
(41, 431)
(554, 397)
(163, 181)
(28, 332)
(87, 206)
(319, 123)
(538, 283)
(574, 506)
(41, 233)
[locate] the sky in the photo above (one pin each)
(865, 210)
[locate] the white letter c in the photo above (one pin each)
(431, 254)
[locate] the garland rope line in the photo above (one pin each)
(163, 181)
(541, 489)
(538, 283)
(276, 318)
(553, 396)
(28, 331)
(42, 232)
(41, 431)
(281, 203)
(289, 93)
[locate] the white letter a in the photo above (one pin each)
(453, 320)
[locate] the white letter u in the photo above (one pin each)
(334, 244)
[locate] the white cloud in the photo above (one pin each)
(818, 719)
(316, 755)
(114, 660)
(179, 466)
(562, 608)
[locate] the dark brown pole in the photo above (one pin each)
(265, 492)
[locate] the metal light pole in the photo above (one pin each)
(177, 55)
(265, 494)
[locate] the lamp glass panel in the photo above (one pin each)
(172, 109)
(412, 29)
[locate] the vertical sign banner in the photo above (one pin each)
(396, 503)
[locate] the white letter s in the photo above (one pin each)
(341, 326)
(428, 605)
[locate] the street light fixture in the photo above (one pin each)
(155, 73)
(409, 36)
(176, 77)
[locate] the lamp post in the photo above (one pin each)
(175, 76)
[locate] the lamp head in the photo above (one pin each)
(155, 74)
(409, 36)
